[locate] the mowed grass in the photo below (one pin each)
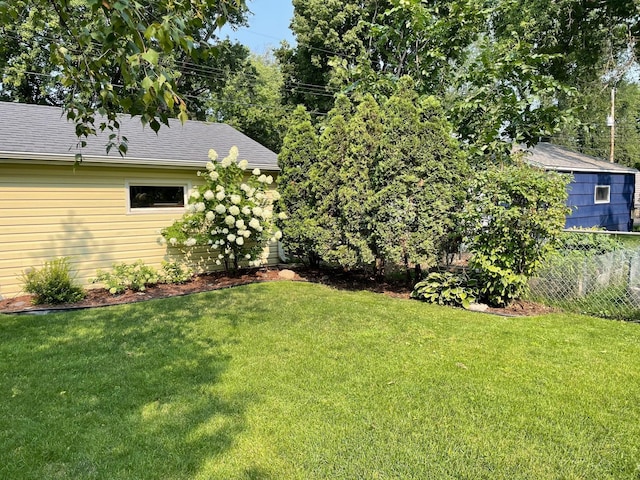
(299, 381)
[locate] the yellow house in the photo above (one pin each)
(91, 213)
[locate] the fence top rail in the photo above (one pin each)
(602, 232)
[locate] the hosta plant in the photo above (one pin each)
(446, 288)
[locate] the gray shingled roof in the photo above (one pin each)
(42, 133)
(554, 157)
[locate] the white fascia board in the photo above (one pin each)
(56, 158)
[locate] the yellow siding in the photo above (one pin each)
(58, 211)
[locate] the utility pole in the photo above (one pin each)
(611, 121)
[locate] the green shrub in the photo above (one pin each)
(446, 289)
(497, 285)
(593, 243)
(53, 283)
(136, 276)
(512, 221)
(174, 272)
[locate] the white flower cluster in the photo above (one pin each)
(230, 213)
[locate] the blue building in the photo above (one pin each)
(601, 194)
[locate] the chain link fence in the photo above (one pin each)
(595, 273)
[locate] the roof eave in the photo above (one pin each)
(56, 159)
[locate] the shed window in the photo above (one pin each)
(156, 197)
(602, 194)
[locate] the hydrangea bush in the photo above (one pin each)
(231, 213)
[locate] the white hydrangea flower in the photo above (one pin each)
(262, 178)
(200, 207)
(210, 166)
(173, 241)
(283, 216)
(214, 176)
(231, 255)
(257, 211)
(194, 194)
(210, 215)
(208, 195)
(220, 209)
(218, 262)
(246, 210)
(220, 256)
(275, 195)
(234, 210)
(236, 199)
(243, 164)
(190, 242)
(191, 208)
(233, 153)
(226, 161)
(231, 237)
(220, 196)
(230, 220)
(260, 196)
(247, 257)
(269, 180)
(254, 223)
(246, 233)
(240, 223)
(256, 172)
(277, 235)
(213, 155)
(219, 188)
(240, 241)
(225, 231)
(244, 187)
(267, 213)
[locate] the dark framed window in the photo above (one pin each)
(156, 196)
(602, 194)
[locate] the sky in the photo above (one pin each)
(268, 25)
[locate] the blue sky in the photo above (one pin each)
(268, 25)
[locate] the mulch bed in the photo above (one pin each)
(100, 297)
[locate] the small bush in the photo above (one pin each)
(593, 243)
(136, 276)
(174, 272)
(446, 289)
(53, 283)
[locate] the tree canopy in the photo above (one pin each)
(505, 70)
(99, 58)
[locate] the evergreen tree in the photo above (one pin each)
(418, 181)
(298, 202)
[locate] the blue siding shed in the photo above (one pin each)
(601, 194)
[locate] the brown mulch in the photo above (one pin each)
(100, 297)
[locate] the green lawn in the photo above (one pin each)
(299, 381)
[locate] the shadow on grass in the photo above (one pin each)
(128, 392)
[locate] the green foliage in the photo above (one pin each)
(380, 188)
(230, 213)
(136, 276)
(104, 58)
(419, 180)
(251, 101)
(446, 288)
(593, 243)
(589, 132)
(175, 272)
(296, 159)
(513, 219)
(53, 283)
(507, 71)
